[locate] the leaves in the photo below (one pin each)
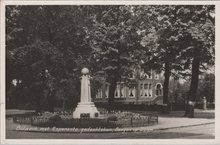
(53, 43)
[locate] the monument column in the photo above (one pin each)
(84, 89)
(85, 108)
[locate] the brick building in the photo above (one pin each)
(148, 89)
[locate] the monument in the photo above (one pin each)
(85, 108)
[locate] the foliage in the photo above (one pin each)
(112, 118)
(120, 119)
(206, 88)
(201, 38)
(184, 37)
(47, 46)
(43, 53)
(112, 40)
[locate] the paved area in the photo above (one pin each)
(175, 119)
(199, 113)
(167, 122)
(11, 112)
(194, 132)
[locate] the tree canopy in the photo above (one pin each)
(47, 46)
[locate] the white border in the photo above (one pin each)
(106, 141)
(106, 2)
(2, 72)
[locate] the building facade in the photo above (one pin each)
(148, 89)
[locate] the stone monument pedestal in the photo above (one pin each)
(85, 108)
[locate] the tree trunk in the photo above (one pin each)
(64, 104)
(113, 79)
(38, 97)
(177, 93)
(51, 102)
(112, 89)
(194, 83)
(166, 83)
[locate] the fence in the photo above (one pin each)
(146, 120)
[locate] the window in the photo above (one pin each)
(147, 76)
(145, 90)
(141, 90)
(150, 86)
(158, 89)
(151, 74)
(117, 91)
(106, 90)
(150, 90)
(122, 91)
(157, 76)
(99, 93)
(131, 92)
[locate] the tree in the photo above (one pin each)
(185, 34)
(206, 88)
(165, 54)
(200, 35)
(47, 46)
(113, 42)
(29, 30)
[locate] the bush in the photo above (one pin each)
(64, 120)
(55, 118)
(46, 119)
(112, 118)
(129, 107)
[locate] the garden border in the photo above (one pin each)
(149, 119)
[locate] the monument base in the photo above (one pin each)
(86, 110)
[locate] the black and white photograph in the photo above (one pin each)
(109, 71)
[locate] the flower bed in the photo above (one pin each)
(111, 120)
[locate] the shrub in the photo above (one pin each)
(46, 119)
(54, 118)
(112, 118)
